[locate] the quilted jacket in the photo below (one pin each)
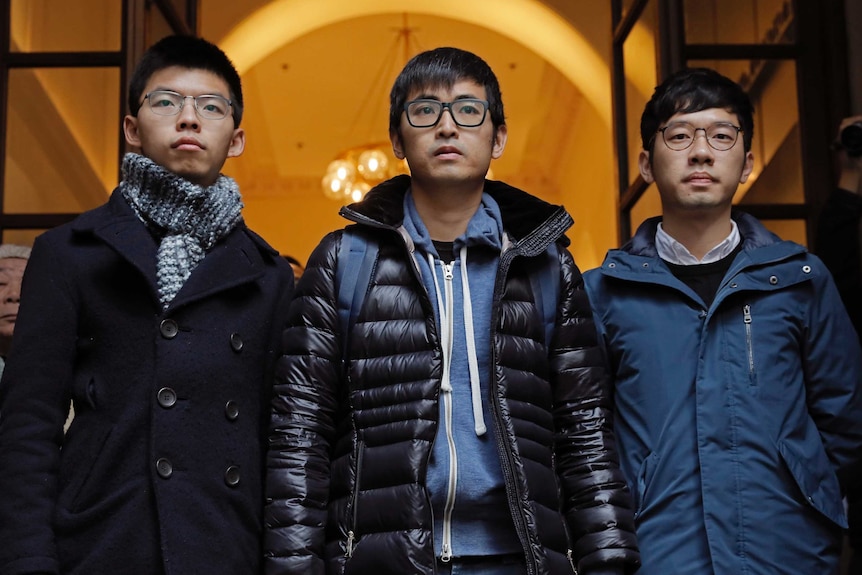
(350, 438)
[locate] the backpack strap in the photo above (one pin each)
(546, 290)
(356, 256)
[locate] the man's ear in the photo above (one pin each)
(237, 143)
(130, 129)
(645, 166)
(397, 147)
(747, 167)
(501, 134)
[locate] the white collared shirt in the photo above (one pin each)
(674, 252)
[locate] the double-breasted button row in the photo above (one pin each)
(165, 469)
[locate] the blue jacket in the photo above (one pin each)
(734, 421)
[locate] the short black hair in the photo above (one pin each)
(443, 67)
(692, 90)
(186, 52)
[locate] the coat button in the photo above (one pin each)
(236, 341)
(164, 468)
(231, 410)
(773, 280)
(169, 328)
(167, 397)
(231, 476)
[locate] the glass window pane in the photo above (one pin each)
(67, 26)
(777, 175)
(62, 139)
(739, 21)
(640, 64)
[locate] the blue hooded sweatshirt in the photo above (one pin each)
(465, 480)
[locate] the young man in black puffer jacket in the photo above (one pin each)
(463, 422)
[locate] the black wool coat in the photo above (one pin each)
(161, 469)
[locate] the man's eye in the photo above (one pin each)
(679, 137)
(164, 103)
(425, 110)
(469, 109)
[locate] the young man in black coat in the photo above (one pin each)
(157, 315)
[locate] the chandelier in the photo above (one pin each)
(356, 170)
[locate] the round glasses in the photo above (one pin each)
(680, 136)
(466, 112)
(168, 103)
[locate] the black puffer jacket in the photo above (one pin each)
(348, 456)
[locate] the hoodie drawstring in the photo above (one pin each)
(447, 323)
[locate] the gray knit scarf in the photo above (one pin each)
(187, 219)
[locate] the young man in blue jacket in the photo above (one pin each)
(462, 423)
(157, 315)
(737, 371)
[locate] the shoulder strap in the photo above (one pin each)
(356, 255)
(546, 290)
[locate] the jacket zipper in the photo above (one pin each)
(446, 398)
(351, 534)
(506, 462)
(746, 318)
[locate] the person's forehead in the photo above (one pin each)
(12, 266)
(705, 116)
(188, 81)
(464, 88)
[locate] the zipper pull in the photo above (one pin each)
(446, 556)
(447, 271)
(746, 313)
(348, 552)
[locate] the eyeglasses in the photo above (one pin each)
(680, 136)
(467, 112)
(168, 103)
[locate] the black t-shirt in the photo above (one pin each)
(446, 250)
(705, 279)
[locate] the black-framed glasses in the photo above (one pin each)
(168, 103)
(466, 112)
(680, 136)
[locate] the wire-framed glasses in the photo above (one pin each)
(466, 112)
(168, 103)
(680, 136)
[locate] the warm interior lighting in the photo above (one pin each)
(356, 170)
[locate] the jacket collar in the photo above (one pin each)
(529, 222)
(754, 235)
(237, 259)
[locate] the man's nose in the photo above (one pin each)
(188, 116)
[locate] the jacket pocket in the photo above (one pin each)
(85, 470)
(645, 474)
(816, 480)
